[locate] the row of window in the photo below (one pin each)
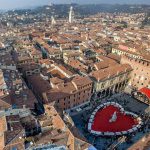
(111, 82)
(88, 85)
(58, 101)
(75, 104)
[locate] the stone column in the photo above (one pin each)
(123, 85)
(116, 88)
(119, 88)
(109, 91)
(113, 89)
(105, 93)
(101, 94)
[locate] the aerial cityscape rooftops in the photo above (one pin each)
(62, 66)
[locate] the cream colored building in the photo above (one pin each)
(110, 80)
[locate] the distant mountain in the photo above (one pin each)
(2, 11)
(26, 7)
(61, 10)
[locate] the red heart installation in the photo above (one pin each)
(101, 120)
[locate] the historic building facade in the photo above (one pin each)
(140, 76)
(110, 80)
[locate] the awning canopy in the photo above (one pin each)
(92, 148)
(145, 91)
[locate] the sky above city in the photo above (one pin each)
(10, 4)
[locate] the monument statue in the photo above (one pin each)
(114, 117)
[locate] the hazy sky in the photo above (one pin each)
(9, 4)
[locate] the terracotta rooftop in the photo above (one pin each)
(56, 81)
(81, 81)
(110, 72)
(114, 57)
(39, 83)
(11, 130)
(68, 88)
(23, 98)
